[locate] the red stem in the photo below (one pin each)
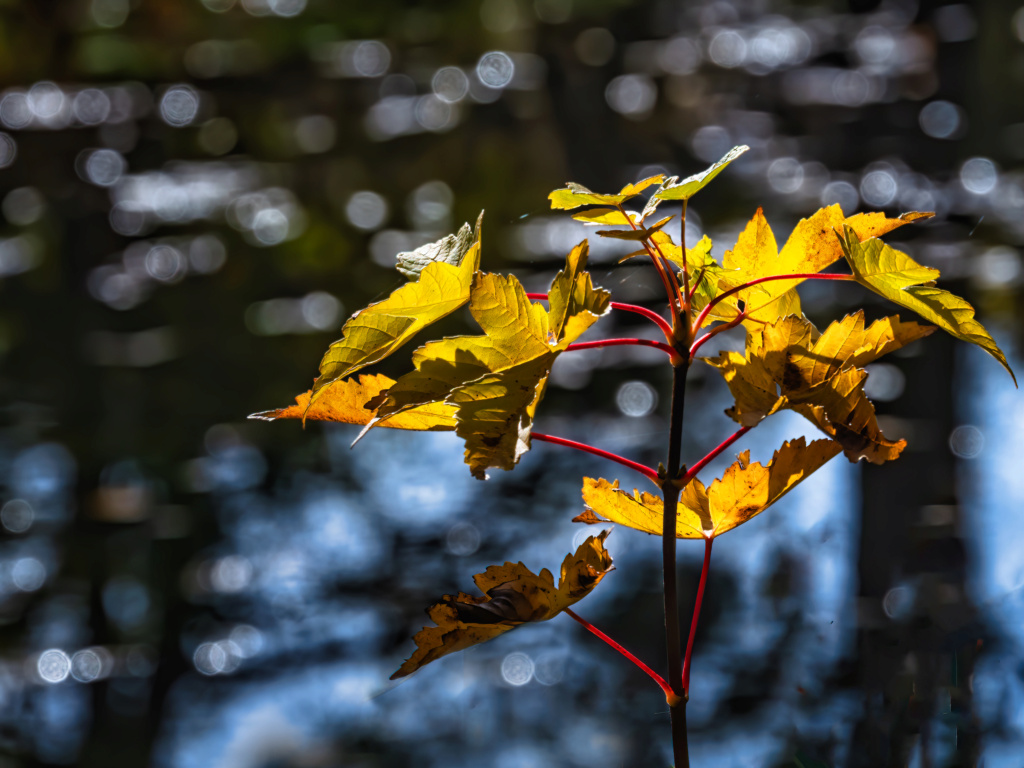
(651, 315)
(646, 471)
(696, 614)
(650, 672)
(715, 331)
(671, 288)
(621, 343)
(692, 472)
(798, 276)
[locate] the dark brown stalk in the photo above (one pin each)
(670, 493)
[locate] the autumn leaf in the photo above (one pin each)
(639, 234)
(345, 401)
(512, 596)
(447, 250)
(596, 216)
(691, 185)
(373, 333)
(810, 248)
(744, 491)
(576, 195)
(788, 364)
(496, 381)
(897, 277)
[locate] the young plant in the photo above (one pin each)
(487, 388)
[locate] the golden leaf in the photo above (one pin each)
(787, 364)
(897, 277)
(496, 381)
(744, 491)
(576, 195)
(373, 333)
(812, 246)
(513, 595)
(345, 401)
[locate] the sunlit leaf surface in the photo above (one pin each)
(897, 277)
(691, 185)
(744, 491)
(373, 333)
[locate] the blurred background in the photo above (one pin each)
(196, 193)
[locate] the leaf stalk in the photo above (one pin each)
(643, 470)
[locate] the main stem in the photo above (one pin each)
(670, 493)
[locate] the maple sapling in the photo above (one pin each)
(487, 388)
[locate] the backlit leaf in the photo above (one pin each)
(576, 195)
(513, 595)
(606, 216)
(691, 185)
(642, 233)
(745, 490)
(788, 364)
(448, 250)
(373, 333)
(496, 381)
(811, 247)
(345, 401)
(897, 277)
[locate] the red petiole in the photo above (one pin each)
(732, 291)
(669, 695)
(692, 472)
(623, 342)
(645, 471)
(618, 305)
(696, 614)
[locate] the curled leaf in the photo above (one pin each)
(897, 277)
(448, 250)
(744, 491)
(513, 595)
(788, 364)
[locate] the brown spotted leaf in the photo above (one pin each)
(512, 596)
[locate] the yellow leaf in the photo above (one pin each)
(812, 246)
(787, 364)
(345, 401)
(745, 490)
(495, 381)
(513, 595)
(691, 185)
(641, 233)
(606, 216)
(373, 333)
(576, 195)
(897, 277)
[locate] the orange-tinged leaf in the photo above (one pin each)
(373, 333)
(744, 491)
(513, 595)
(897, 277)
(496, 381)
(606, 216)
(345, 401)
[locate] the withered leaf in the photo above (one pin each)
(513, 595)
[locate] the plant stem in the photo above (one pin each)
(696, 613)
(645, 471)
(738, 288)
(623, 342)
(715, 331)
(650, 672)
(686, 270)
(670, 493)
(648, 313)
(675, 302)
(692, 472)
